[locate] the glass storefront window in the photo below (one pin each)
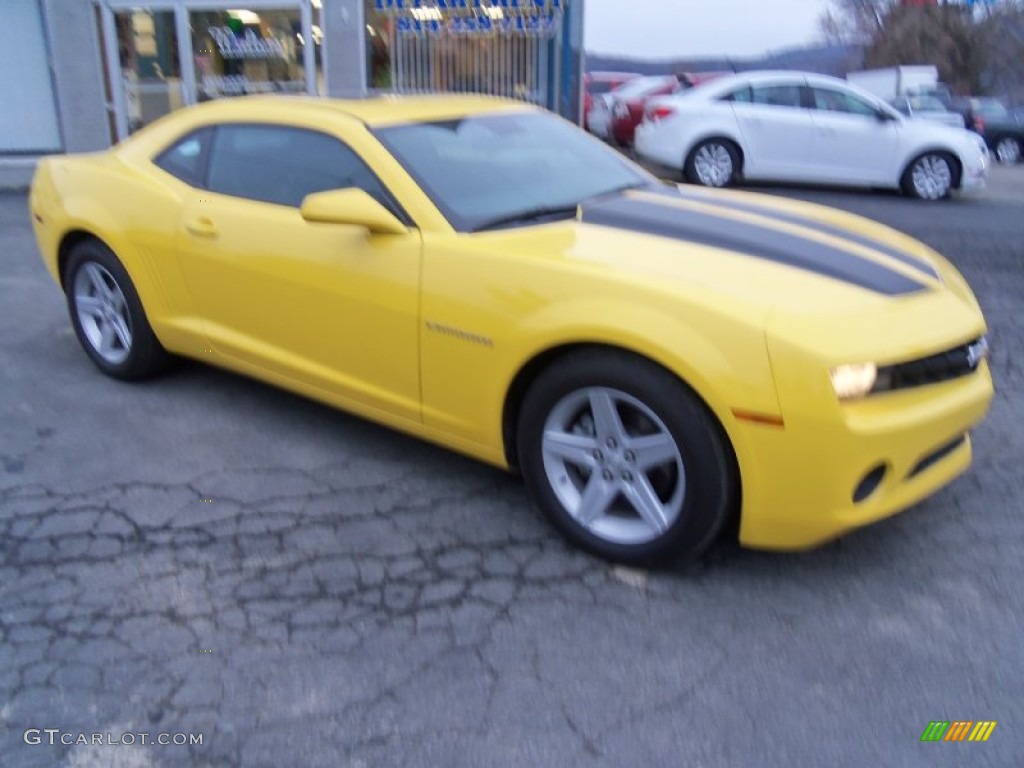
(147, 45)
(241, 52)
(379, 34)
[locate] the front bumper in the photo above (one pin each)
(624, 130)
(975, 176)
(802, 479)
(599, 123)
(976, 169)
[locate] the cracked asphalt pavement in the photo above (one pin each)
(203, 554)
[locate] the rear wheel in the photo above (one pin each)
(107, 315)
(713, 163)
(624, 459)
(1008, 151)
(930, 177)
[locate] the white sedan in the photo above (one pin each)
(802, 127)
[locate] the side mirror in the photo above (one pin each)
(351, 206)
(885, 117)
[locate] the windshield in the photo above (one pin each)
(600, 86)
(491, 167)
(992, 109)
(926, 104)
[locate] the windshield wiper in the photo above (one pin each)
(528, 216)
(622, 188)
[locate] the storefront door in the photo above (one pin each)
(173, 53)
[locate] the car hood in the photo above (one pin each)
(926, 130)
(780, 263)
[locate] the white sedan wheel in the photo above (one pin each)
(931, 177)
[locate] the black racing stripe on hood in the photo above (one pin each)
(792, 218)
(750, 239)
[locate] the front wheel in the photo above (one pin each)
(624, 459)
(929, 177)
(1008, 151)
(713, 163)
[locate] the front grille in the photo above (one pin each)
(952, 364)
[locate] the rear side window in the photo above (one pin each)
(186, 159)
(777, 95)
(743, 95)
(282, 164)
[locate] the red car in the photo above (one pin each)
(598, 83)
(630, 100)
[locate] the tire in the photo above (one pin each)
(931, 176)
(107, 315)
(648, 479)
(713, 163)
(1008, 151)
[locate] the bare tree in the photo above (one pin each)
(945, 36)
(855, 21)
(977, 46)
(1003, 31)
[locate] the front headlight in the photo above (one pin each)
(854, 381)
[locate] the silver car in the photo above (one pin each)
(925, 107)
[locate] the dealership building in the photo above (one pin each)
(80, 75)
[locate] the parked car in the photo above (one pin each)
(928, 107)
(628, 110)
(628, 105)
(598, 84)
(1003, 133)
(604, 112)
(657, 363)
(792, 126)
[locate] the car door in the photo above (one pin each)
(326, 305)
(776, 128)
(853, 144)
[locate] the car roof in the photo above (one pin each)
(718, 86)
(601, 76)
(375, 111)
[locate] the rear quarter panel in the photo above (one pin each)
(132, 211)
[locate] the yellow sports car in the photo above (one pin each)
(657, 362)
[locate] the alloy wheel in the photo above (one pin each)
(1008, 151)
(932, 177)
(713, 165)
(613, 465)
(103, 313)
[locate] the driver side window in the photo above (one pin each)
(282, 164)
(828, 100)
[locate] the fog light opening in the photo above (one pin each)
(869, 483)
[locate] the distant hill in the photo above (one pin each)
(826, 59)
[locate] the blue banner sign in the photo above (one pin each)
(469, 5)
(522, 24)
(475, 17)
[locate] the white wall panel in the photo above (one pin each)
(28, 115)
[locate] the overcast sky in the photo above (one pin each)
(684, 28)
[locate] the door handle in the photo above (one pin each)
(201, 226)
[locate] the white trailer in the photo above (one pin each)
(891, 83)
